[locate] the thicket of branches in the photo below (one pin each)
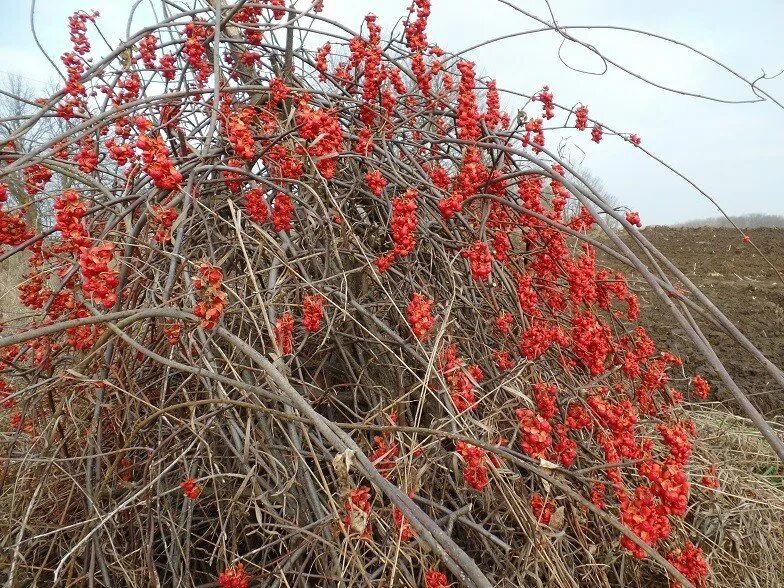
(316, 316)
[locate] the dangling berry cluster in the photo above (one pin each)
(234, 577)
(404, 223)
(478, 255)
(284, 333)
(98, 280)
(312, 312)
(420, 317)
(209, 284)
(436, 579)
(475, 472)
(357, 518)
(190, 489)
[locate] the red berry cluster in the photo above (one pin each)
(375, 181)
(147, 48)
(73, 103)
(234, 577)
(596, 133)
(633, 218)
(321, 130)
(475, 472)
(701, 387)
(546, 98)
(238, 132)
(536, 433)
(385, 454)
(13, 228)
(278, 91)
(279, 12)
(357, 518)
(436, 579)
(321, 61)
(209, 284)
(420, 317)
(538, 338)
(503, 360)
(172, 333)
(157, 163)
(190, 489)
(256, 205)
(493, 117)
(581, 114)
(690, 562)
(163, 218)
(167, 66)
(534, 134)
(282, 212)
(404, 530)
(645, 518)
(461, 382)
(195, 51)
(69, 212)
(467, 113)
(542, 508)
(478, 255)
(312, 312)
(87, 156)
(504, 321)
(711, 479)
(284, 333)
(404, 223)
(36, 177)
(98, 280)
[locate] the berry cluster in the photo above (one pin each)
(542, 508)
(234, 577)
(209, 284)
(282, 212)
(190, 489)
(461, 382)
(163, 218)
(157, 163)
(357, 518)
(420, 317)
(98, 280)
(475, 472)
(256, 205)
(478, 255)
(195, 51)
(375, 181)
(312, 312)
(436, 579)
(581, 114)
(404, 223)
(284, 333)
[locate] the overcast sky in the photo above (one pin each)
(732, 151)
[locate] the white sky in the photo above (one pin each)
(731, 151)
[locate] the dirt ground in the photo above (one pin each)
(743, 285)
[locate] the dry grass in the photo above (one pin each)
(741, 523)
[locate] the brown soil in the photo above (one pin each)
(743, 285)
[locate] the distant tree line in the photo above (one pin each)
(744, 221)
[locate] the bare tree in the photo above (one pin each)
(745, 221)
(588, 180)
(17, 104)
